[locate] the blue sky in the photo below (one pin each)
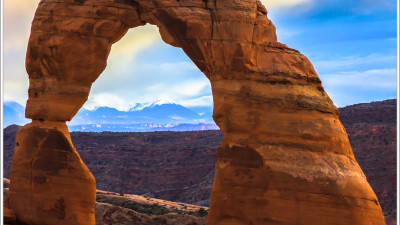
(352, 45)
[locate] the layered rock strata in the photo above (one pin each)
(114, 208)
(285, 158)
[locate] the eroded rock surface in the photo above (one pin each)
(179, 166)
(49, 182)
(285, 158)
(9, 217)
(118, 209)
(113, 208)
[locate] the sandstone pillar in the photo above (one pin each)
(285, 157)
(50, 183)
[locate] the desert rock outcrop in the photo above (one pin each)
(113, 208)
(49, 182)
(118, 209)
(179, 166)
(285, 158)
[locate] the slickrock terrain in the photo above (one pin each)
(179, 166)
(111, 207)
(118, 209)
(285, 157)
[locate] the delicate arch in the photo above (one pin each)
(285, 157)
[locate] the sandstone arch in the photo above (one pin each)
(285, 157)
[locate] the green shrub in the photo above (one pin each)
(202, 212)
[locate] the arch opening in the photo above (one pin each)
(142, 71)
(163, 62)
(149, 176)
(268, 102)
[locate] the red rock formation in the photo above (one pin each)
(107, 214)
(8, 214)
(285, 157)
(113, 208)
(179, 166)
(49, 182)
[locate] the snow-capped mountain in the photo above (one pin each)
(160, 111)
(160, 101)
(162, 114)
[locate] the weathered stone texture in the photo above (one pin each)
(49, 182)
(285, 157)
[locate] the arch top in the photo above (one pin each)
(70, 41)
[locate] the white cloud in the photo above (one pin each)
(352, 61)
(182, 65)
(13, 90)
(18, 15)
(107, 99)
(282, 4)
(380, 78)
(352, 87)
(286, 34)
(148, 87)
(190, 88)
(134, 41)
(125, 81)
(135, 79)
(202, 101)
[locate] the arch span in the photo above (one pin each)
(285, 157)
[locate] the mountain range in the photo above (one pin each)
(160, 115)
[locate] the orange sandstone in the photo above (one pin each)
(285, 157)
